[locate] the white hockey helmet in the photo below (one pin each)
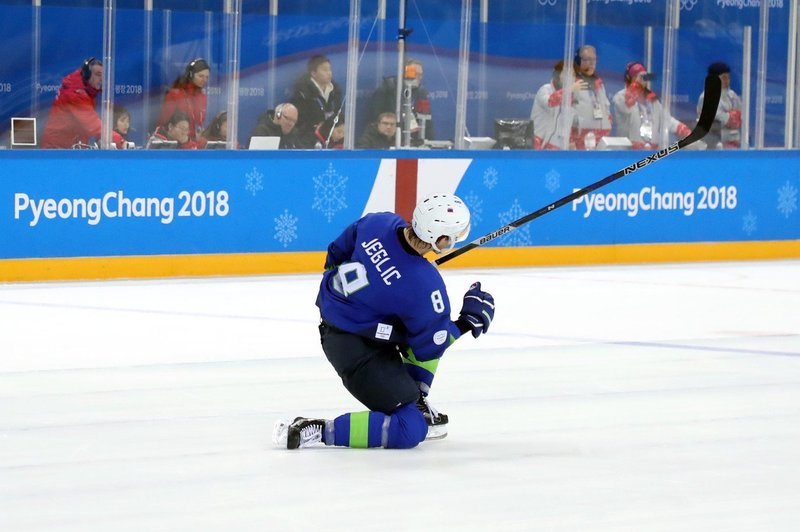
(441, 215)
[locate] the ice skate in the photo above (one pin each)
(302, 432)
(437, 422)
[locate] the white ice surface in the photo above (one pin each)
(631, 398)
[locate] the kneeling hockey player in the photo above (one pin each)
(385, 324)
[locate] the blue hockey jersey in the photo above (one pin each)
(378, 287)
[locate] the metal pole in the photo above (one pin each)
(381, 16)
(761, 75)
(166, 53)
(147, 74)
(484, 42)
(107, 98)
(272, 94)
(463, 74)
(209, 34)
(648, 47)
(747, 64)
(214, 96)
(352, 74)
(403, 133)
(791, 86)
(233, 28)
(670, 43)
(36, 53)
(565, 120)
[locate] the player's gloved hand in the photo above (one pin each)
(477, 311)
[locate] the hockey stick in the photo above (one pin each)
(713, 89)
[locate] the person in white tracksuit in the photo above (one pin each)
(549, 131)
(592, 108)
(639, 113)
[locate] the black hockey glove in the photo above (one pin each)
(477, 312)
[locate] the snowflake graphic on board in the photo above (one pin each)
(285, 228)
(552, 181)
(254, 181)
(475, 206)
(490, 177)
(517, 237)
(749, 223)
(787, 199)
(329, 189)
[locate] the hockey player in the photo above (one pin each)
(385, 322)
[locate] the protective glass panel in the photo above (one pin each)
(258, 59)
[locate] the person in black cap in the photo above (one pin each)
(726, 130)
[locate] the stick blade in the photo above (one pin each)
(711, 96)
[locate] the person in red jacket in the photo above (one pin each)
(121, 124)
(73, 118)
(187, 96)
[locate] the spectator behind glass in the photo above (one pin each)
(216, 133)
(187, 96)
(384, 100)
(176, 130)
(592, 108)
(726, 129)
(548, 133)
(279, 122)
(73, 118)
(329, 134)
(122, 124)
(379, 135)
(639, 111)
(316, 96)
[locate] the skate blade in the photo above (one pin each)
(436, 432)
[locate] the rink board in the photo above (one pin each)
(100, 214)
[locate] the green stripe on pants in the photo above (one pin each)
(429, 365)
(359, 430)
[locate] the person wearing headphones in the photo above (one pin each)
(592, 107)
(216, 134)
(548, 133)
(73, 118)
(187, 95)
(640, 113)
(217, 130)
(279, 122)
